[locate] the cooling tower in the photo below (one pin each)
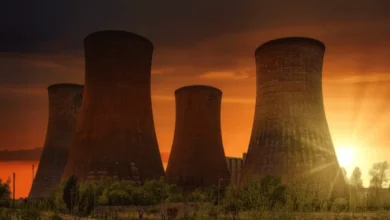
(115, 135)
(64, 103)
(197, 158)
(290, 135)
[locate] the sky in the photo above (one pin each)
(202, 42)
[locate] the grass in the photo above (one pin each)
(131, 213)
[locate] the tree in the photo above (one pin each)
(5, 193)
(230, 202)
(356, 178)
(70, 193)
(379, 175)
(356, 184)
(273, 191)
(250, 196)
(87, 199)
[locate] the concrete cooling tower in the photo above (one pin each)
(290, 135)
(197, 158)
(115, 135)
(64, 103)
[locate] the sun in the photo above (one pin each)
(345, 156)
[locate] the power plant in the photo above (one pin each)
(64, 104)
(197, 158)
(290, 135)
(115, 135)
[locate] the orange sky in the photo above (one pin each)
(356, 81)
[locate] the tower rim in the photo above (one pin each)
(290, 40)
(124, 33)
(64, 85)
(198, 87)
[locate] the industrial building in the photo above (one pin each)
(290, 135)
(115, 135)
(235, 166)
(197, 158)
(64, 104)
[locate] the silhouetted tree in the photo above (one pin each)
(5, 193)
(70, 193)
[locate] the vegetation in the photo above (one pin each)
(71, 193)
(5, 193)
(266, 198)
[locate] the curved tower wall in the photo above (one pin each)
(290, 135)
(197, 158)
(115, 134)
(64, 103)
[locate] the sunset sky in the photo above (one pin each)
(201, 42)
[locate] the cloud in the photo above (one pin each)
(40, 70)
(358, 79)
(225, 75)
(233, 100)
(21, 155)
(163, 98)
(47, 27)
(18, 90)
(158, 71)
(229, 100)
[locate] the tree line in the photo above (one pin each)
(255, 198)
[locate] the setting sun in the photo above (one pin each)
(345, 156)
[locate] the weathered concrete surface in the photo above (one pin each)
(64, 104)
(115, 133)
(197, 157)
(290, 135)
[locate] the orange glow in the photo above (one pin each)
(356, 90)
(23, 171)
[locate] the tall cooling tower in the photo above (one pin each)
(115, 134)
(64, 103)
(197, 158)
(290, 135)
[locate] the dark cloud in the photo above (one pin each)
(39, 71)
(61, 25)
(21, 155)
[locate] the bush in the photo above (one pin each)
(86, 205)
(339, 205)
(70, 193)
(56, 216)
(5, 193)
(30, 214)
(6, 214)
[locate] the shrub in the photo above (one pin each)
(30, 214)
(56, 216)
(5, 193)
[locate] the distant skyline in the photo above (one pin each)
(203, 42)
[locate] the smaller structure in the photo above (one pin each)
(235, 165)
(197, 158)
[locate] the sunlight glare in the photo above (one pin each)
(345, 156)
